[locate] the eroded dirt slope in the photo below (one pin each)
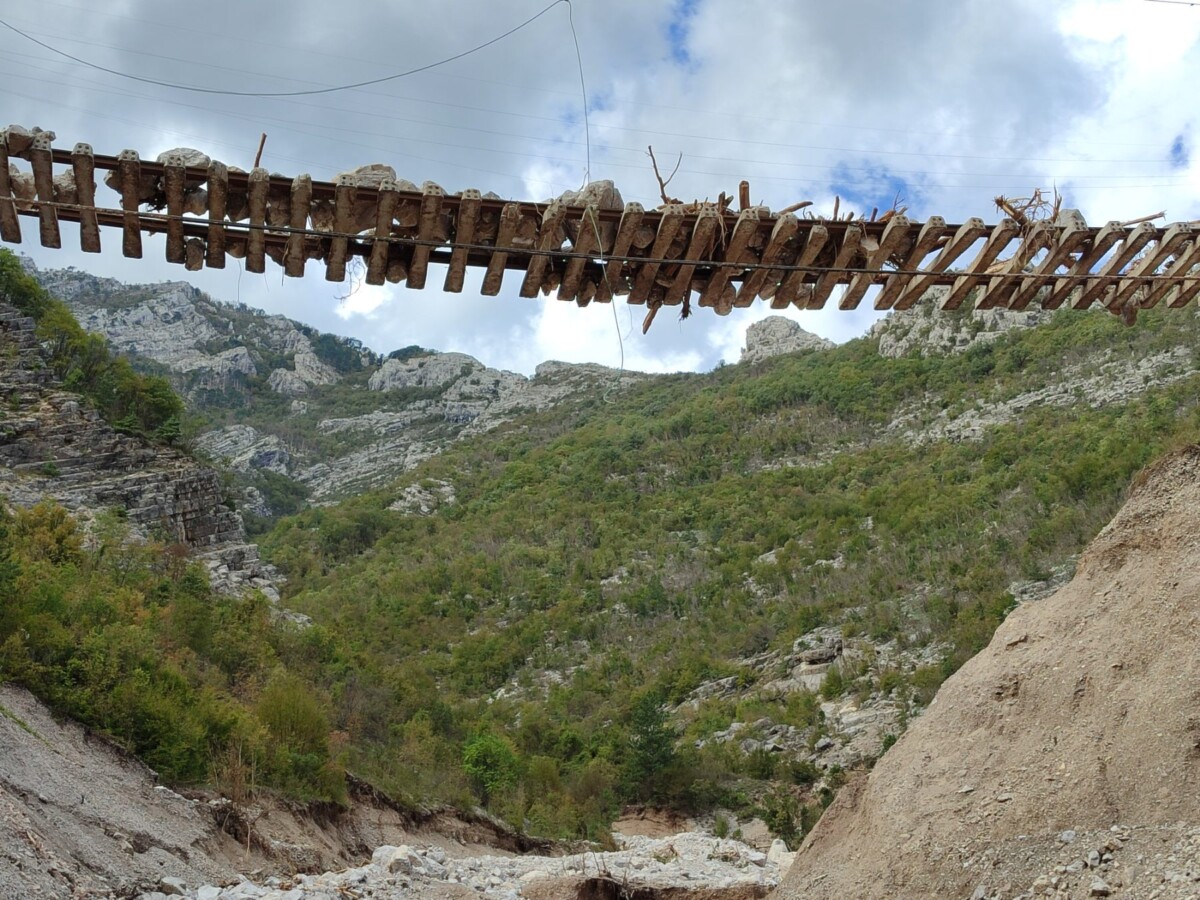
(80, 817)
(1082, 714)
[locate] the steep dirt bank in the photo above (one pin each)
(1082, 714)
(79, 816)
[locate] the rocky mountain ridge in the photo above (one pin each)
(416, 402)
(53, 445)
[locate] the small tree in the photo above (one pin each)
(651, 743)
(491, 764)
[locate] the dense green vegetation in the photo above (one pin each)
(603, 560)
(131, 401)
(534, 645)
(128, 638)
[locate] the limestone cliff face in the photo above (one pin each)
(926, 331)
(456, 397)
(775, 335)
(220, 356)
(53, 445)
(205, 344)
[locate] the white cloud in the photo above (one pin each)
(363, 300)
(949, 104)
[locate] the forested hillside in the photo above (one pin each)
(618, 598)
(586, 570)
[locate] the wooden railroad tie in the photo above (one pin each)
(587, 252)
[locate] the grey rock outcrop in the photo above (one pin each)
(217, 353)
(923, 330)
(245, 449)
(286, 382)
(458, 397)
(54, 445)
(435, 371)
(209, 345)
(776, 335)
(1108, 379)
(423, 499)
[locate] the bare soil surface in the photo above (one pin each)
(1063, 760)
(81, 817)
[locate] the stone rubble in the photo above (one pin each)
(687, 861)
(1145, 862)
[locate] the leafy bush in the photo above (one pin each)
(491, 764)
(130, 640)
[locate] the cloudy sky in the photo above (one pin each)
(944, 103)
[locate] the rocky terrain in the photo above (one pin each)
(1064, 760)
(410, 406)
(775, 335)
(683, 865)
(53, 445)
(79, 817)
(852, 727)
(415, 403)
(924, 330)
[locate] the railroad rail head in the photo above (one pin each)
(586, 246)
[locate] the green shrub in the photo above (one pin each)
(833, 685)
(491, 764)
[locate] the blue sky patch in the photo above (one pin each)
(1179, 155)
(678, 27)
(868, 186)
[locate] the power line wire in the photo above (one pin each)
(634, 130)
(527, 88)
(587, 128)
(1004, 182)
(327, 90)
(640, 152)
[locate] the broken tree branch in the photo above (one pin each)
(1138, 221)
(662, 185)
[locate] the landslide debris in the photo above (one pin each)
(1064, 759)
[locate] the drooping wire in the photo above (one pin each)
(328, 90)
(587, 128)
(587, 177)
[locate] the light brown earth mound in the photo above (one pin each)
(1082, 714)
(80, 817)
